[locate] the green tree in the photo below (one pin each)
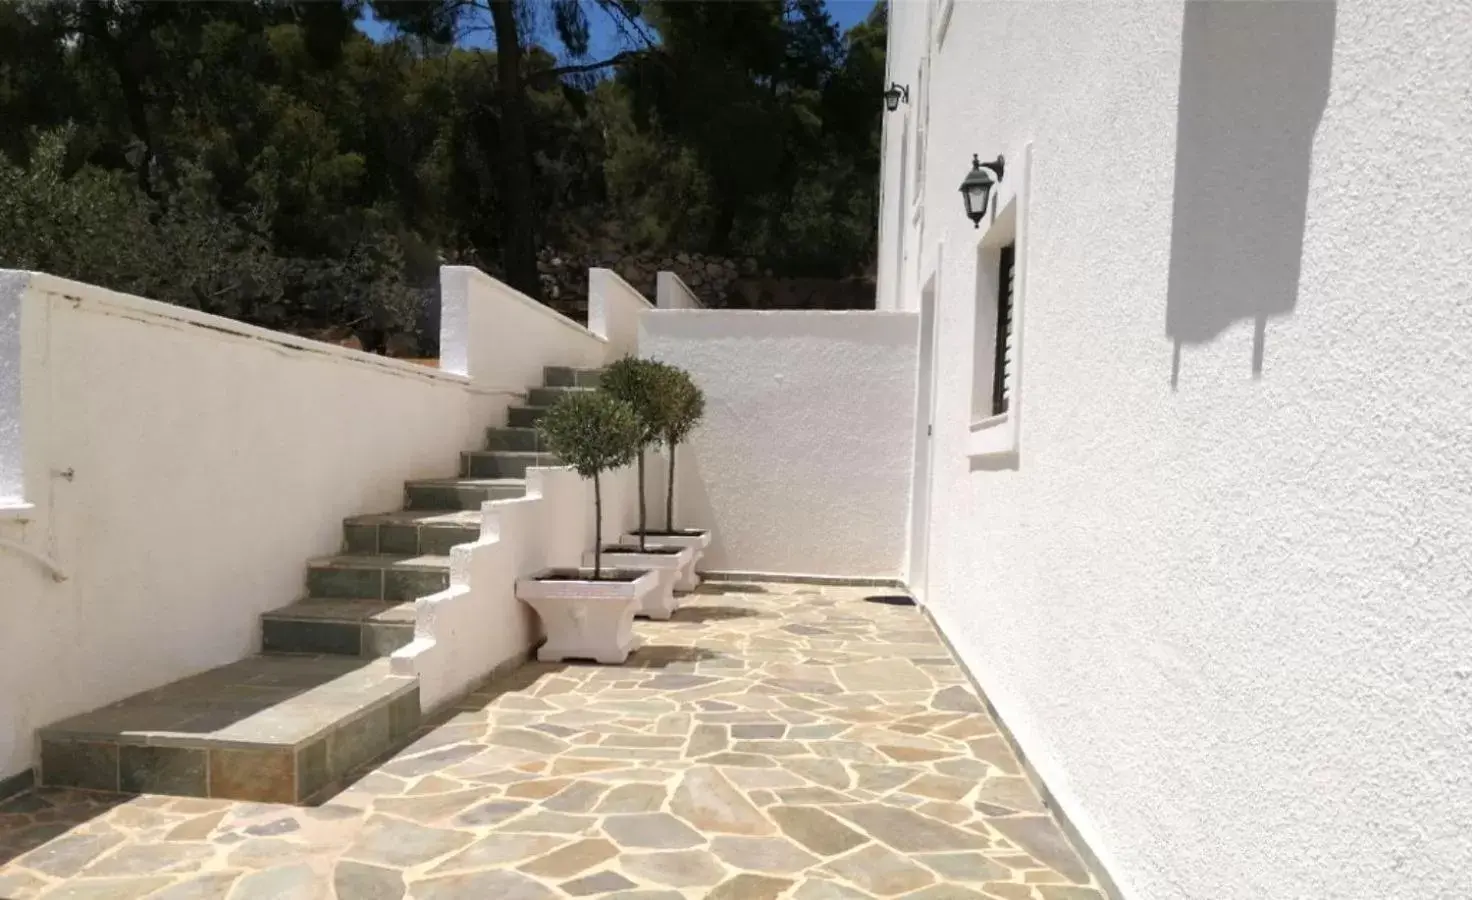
(648, 387)
(593, 432)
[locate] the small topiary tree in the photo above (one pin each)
(592, 432)
(650, 388)
(686, 407)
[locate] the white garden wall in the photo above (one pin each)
(614, 307)
(180, 469)
(802, 464)
(671, 292)
(1219, 594)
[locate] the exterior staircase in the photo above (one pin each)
(290, 724)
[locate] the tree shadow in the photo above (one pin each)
(701, 614)
(731, 587)
(1254, 83)
(36, 816)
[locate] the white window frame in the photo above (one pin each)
(998, 435)
(942, 19)
(922, 128)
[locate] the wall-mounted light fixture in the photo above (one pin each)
(895, 95)
(977, 187)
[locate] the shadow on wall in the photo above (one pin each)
(1254, 82)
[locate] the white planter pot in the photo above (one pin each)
(659, 603)
(688, 580)
(586, 619)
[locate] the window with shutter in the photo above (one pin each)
(1003, 350)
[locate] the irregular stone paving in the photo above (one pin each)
(770, 741)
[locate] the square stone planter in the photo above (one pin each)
(672, 564)
(587, 619)
(695, 538)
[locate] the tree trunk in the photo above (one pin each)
(669, 497)
(519, 251)
(597, 529)
(642, 527)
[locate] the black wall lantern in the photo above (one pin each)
(977, 187)
(897, 92)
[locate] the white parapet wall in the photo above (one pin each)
(802, 465)
(178, 470)
(671, 292)
(614, 307)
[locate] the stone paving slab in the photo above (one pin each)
(769, 741)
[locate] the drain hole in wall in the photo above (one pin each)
(891, 599)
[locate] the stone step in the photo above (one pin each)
(270, 729)
(562, 376)
(365, 628)
(459, 493)
(411, 532)
(518, 439)
(547, 396)
(396, 579)
(525, 416)
(502, 463)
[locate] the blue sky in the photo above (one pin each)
(605, 40)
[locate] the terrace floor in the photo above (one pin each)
(769, 741)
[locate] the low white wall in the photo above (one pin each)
(802, 465)
(614, 307)
(671, 292)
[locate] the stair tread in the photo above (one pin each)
(272, 701)
(513, 454)
(381, 561)
(470, 482)
(458, 518)
(336, 610)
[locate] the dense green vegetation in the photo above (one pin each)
(269, 162)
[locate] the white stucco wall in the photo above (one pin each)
(1220, 594)
(671, 292)
(500, 337)
(181, 469)
(802, 464)
(614, 308)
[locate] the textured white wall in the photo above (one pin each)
(614, 307)
(1221, 594)
(803, 463)
(502, 338)
(207, 466)
(671, 292)
(12, 453)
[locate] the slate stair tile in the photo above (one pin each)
(395, 578)
(525, 416)
(502, 463)
(270, 729)
(547, 396)
(562, 376)
(367, 628)
(460, 493)
(518, 439)
(411, 532)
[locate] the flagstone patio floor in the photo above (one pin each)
(771, 741)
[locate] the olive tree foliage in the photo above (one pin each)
(592, 432)
(686, 405)
(648, 386)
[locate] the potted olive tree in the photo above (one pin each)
(683, 410)
(650, 389)
(588, 613)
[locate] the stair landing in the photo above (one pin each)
(269, 728)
